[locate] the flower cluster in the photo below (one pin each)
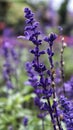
(9, 54)
(42, 78)
(32, 75)
(7, 68)
(69, 88)
(67, 111)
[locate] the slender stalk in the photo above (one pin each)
(51, 115)
(62, 63)
(54, 93)
(43, 127)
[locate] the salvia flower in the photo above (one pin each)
(42, 88)
(69, 88)
(25, 121)
(38, 102)
(33, 79)
(50, 38)
(67, 109)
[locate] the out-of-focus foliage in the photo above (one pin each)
(17, 102)
(63, 12)
(16, 7)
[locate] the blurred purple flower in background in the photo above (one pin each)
(25, 121)
(10, 128)
(67, 109)
(69, 88)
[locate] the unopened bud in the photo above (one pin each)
(61, 50)
(53, 71)
(55, 99)
(54, 75)
(64, 44)
(61, 117)
(62, 39)
(53, 84)
(57, 128)
(63, 63)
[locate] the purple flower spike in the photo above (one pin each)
(42, 84)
